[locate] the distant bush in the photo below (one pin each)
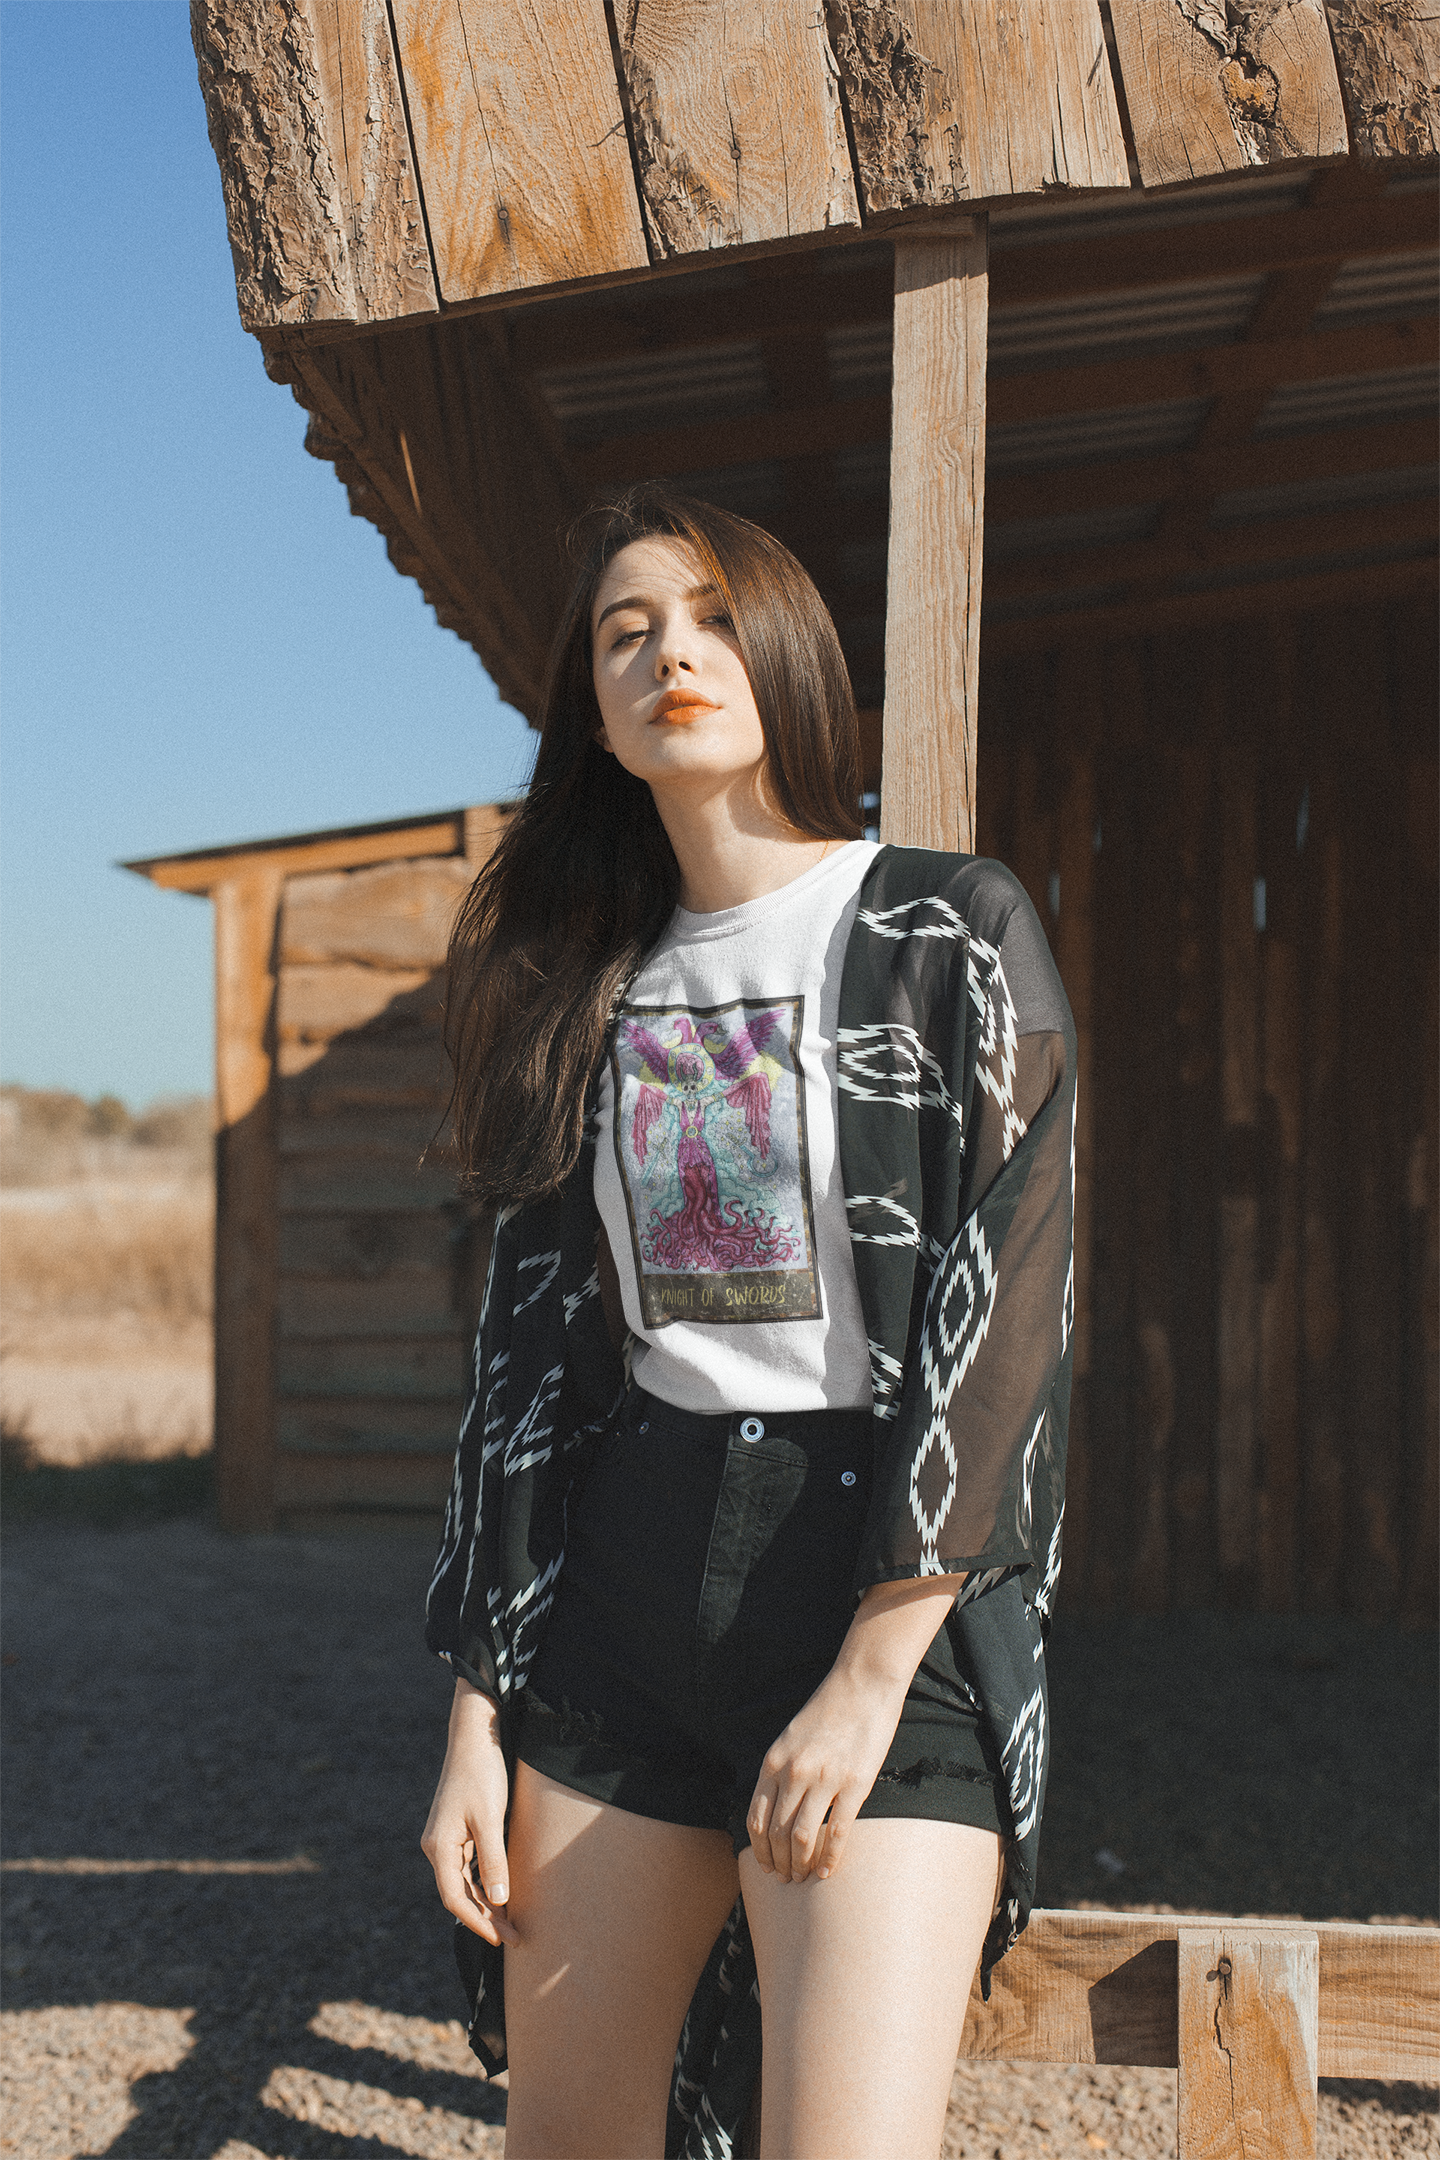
(147, 1252)
(49, 1136)
(116, 1488)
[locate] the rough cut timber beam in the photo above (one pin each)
(734, 109)
(306, 121)
(1212, 88)
(952, 105)
(937, 502)
(520, 140)
(1389, 56)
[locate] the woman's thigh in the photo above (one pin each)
(864, 1980)
(616, 1916)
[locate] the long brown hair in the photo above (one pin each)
(585, 879)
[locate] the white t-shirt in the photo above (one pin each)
(717, 1175)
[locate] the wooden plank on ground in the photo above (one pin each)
(951, 104)
(246, 907)
(1389, 60)
(395, 916)
(1249, 2031)
(414, 1305)
(937, 500)
(307, 123)
(1212, 89)
(1100, 1987)
(520, 140)
(735, 116)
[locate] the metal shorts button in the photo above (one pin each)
(645, 1424)
(752, 1428)
(847, 1477)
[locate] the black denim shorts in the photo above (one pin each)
(707, 1587)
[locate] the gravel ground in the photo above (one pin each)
(226, 1946)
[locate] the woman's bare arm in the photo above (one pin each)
(830, 1753)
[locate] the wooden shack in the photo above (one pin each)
(345, 1293)
(1130, 304)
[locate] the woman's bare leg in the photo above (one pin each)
(616, 1916)
(864, 1980)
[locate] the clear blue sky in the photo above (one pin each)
(200, 643)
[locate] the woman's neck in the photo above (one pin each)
(732, 847)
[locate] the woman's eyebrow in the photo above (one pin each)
(638, 600)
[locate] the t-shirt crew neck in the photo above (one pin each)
(717, 1176)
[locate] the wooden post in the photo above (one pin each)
(937, 496)
(1249, 2025)
(246, 908)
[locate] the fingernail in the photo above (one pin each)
(499, 1894)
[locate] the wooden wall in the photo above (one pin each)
(1231, 838)
(372, 1293)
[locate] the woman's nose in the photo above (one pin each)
(672, 652)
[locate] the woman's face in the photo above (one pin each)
(675, 702)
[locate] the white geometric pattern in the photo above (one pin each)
(995, 1071)
(957, 1318)
(900, 922)
(1024, 1758)
(886, 1062)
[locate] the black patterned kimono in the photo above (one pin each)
(956, 1116)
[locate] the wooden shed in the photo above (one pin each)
(345, 1271)
(1130, 303)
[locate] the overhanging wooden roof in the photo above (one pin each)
(510, 259)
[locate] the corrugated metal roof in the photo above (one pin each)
(1331, 491)
(1010, 539)
(1085, 438)
(1148, 318)
(672, 389)
(1381, 288)
(1349, 401)
(1056, 333)
(1030, 224)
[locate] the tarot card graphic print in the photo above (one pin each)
(710, 1139)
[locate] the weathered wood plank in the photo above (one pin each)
(1078, 697)
(937, 501)
(363, 1246)
(396, 916)
(365, 1425)
(316, 1003)
(246, 907)
(400, 1370)
(736, 121)
(356, 1073)
(301, 853)
(359, 1484)
(401, 1305)
(396, 1137)
(1214, 89)
(306, 120)
(1389, 58)
(331, 1184)
(520, 140)
(1103, 1987)
(1282, 1120)
(1249, 2029)
(950, 104)
(1237, 1345)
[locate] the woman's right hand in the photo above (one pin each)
(465, 1835)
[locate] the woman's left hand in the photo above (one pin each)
(822, 1766)
(817, 1777)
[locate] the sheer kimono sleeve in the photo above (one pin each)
(971, 1480)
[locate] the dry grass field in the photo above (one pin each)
(106, 1226)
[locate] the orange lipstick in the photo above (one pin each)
(677, 708)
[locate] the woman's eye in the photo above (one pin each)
(723, 621)
(626, 637)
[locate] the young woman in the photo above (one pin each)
(756, 1513)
